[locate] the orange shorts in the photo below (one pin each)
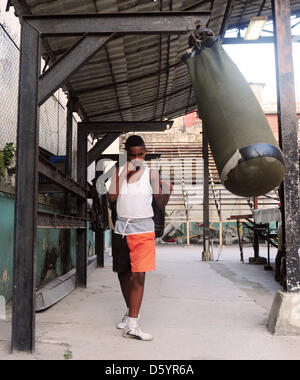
(142, 252)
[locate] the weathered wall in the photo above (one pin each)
(52, 258)
(6, 244)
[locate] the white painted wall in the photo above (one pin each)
(11, 21)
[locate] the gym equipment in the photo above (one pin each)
(248, 158)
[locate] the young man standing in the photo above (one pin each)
(133, 240)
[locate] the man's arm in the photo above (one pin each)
(162, 190)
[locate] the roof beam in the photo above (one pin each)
(129, 23)
(168, 71)
(20, 7)
(226, 19)
(118, 157)
(8, 5)
(123, 127)
(160, 63)
(69, 64)
(114, 82)
(240, 40)
(101, 146)
(53, 174)
(262, 7)
(23, 10)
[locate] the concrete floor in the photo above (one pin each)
(195, 310)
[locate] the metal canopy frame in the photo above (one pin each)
(117, 157)
(96, 31)
(69, 64)
(129, 126)
(35, 89)
(127, 23)
(288, 137)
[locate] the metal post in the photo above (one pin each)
(256, 233)
(206, 253)
(69, 143)
(221, 222)
(288, 132)
(268, 267)
(257, 260)
(68, 170)
(24, 288)
(284, 318)
(238, 225)
(188, 232)
(81, 240)
(227, 15)
(99, 235)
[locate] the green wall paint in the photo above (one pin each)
(51, 261)
(6, 244)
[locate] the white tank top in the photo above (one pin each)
(135, 199)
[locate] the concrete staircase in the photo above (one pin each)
(183, 163)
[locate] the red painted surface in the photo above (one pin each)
(191, 119)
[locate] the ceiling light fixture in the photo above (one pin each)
(255, 28)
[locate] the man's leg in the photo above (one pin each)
(125, 279)
(137, 293)
(121, 264)
(142, 259)
(132, 329)
(126, 286)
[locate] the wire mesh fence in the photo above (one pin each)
(53, 126)
(9, 58)
(52, 113)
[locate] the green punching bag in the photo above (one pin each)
(246, 153)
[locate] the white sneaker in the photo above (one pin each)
(124, 322)
(136, 333)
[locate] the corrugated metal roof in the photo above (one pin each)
(138, 78)
(245, 10)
